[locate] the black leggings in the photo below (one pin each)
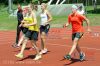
(19, 29)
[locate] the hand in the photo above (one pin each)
(89, 30)
(20, 25)
(25, 25)
(23, 21)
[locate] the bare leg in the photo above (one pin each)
(21, 40)
(78, 49)
(21, 53)
(43, 45)
(35, 46)
(82, 55)
(75, 42)
(23, 46)
(31, 41)
(38, 55)
(43, 36)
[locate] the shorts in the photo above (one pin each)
(32, 35)
(77, 35)
(44, 28)
(24, 30)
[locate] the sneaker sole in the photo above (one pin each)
(18, 56)
(37, 59)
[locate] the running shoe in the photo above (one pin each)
(43, 51)
(68, 57)
(82, 56)
(37, 57)
(19, 55)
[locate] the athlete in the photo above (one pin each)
(76, 21)
(19, 29)
(44, 27)
(32, 34)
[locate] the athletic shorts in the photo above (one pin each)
(32, 35)
(77, 35)
(24, 30)
(44, 28)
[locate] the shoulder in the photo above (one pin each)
(69, 15)
(33, 14)
(81, 16)
(47, 12)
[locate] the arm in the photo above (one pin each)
(68, 23)
(22, 22)
(49, 16)
(87, 22)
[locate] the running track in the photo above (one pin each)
(58, 43)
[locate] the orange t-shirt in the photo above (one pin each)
(76, 22)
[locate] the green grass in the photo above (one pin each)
(10, 23)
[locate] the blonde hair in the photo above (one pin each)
(45, 5)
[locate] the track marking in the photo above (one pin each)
(70, 46)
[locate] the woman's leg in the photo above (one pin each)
(38, 55)
(21, 40)
(44, 31)
(20, 54)
(82, 55)
(34, 38)
(23, 46)
(43, 37)
(76, 37)
(78, 48)
(75, 43)
(35, 46)
(18, 33)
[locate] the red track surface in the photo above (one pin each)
(58, 43)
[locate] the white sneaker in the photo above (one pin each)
(37, 57)
(43, 51)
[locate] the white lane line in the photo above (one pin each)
(70, 46)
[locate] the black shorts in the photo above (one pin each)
(32, 35)
(24, 30)
(77, 35)
(44, 28)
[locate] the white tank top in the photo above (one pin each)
(44, 18)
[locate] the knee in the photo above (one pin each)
(75, 41)
(43, 36)
(25, 39)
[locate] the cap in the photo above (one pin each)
(74, 7)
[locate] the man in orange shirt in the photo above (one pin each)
(76, 20)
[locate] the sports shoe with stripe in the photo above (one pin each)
(68, 57)
(82, 56)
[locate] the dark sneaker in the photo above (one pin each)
(82, 56)
(68, 57)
